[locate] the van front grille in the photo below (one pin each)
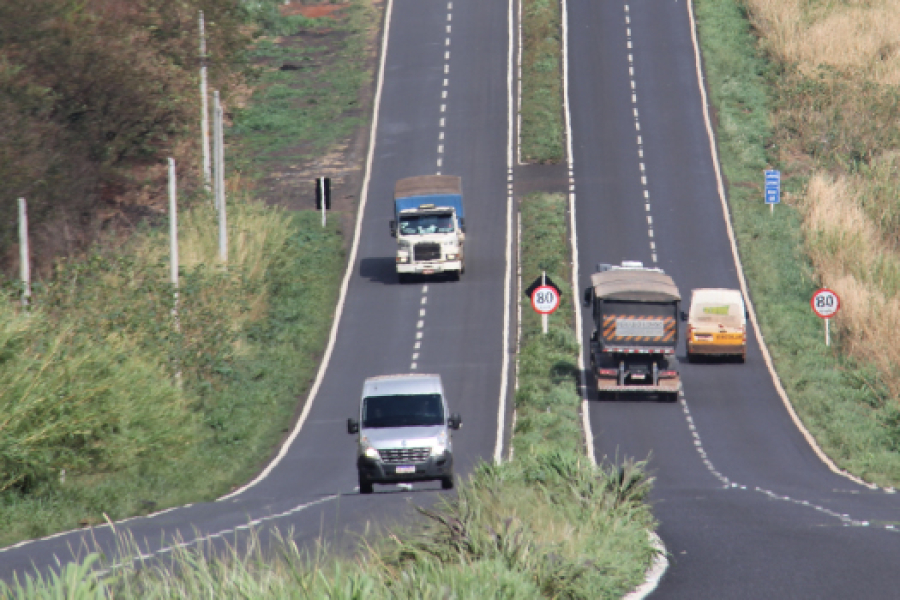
(405, 455)
(427, 251)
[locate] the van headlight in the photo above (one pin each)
(438, 449)
(440, 445)
(369, 451)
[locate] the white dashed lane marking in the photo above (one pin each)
(637, 127)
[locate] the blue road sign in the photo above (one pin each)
(773, 187)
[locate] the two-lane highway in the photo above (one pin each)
(746, 507)
(442, 106)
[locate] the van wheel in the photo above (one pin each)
(366, 487)
(447, 483)
(402, 278)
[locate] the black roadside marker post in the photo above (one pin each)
(323, 195)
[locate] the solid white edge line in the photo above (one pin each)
(507, 279)
(654, 574)
(740, 269)
(585, 407)
(323, 366)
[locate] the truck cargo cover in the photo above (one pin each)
(634, 285)
(427, 185)
(440, 190)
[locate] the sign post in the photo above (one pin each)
(825, 303)
(544, 298)
(773, 188)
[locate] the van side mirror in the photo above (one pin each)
(393, 228)
(683, 316)
(352, 426)
(462, 225)
(454, 422)
(587, 296)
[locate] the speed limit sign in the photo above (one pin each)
(545, 299)
(825, 303)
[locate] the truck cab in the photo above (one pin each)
(404, 432)
(429, 224)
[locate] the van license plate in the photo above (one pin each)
(404, 469)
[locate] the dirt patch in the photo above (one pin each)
(311, 11)
(289, 173)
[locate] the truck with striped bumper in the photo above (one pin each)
(635, 311)
(429, 224)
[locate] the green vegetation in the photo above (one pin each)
(94, 96)
(542, 135)
(308, 88)
(843, 402)
(115, 407)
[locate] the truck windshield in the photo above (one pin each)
(402, 410)
(419, 224)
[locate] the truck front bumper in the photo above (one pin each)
(377, 471)
(430, 268)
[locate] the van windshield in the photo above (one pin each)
(402, 410)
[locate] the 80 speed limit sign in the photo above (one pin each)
(545, 299)
(825, 303)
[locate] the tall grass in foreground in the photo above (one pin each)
(769, 115)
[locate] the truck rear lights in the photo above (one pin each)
(668, 374)
(607, 372)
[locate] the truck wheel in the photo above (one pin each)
(447, 483)
(365, 487)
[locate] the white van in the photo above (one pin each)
(404, 431)
(717, 324)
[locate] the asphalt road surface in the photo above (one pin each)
(746, 508)
(444, 108)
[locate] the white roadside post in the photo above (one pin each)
(220, 177)
(204, 106)
(24, 253)
(825, 303)
(173, 254)
(173, 230)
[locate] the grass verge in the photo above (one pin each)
(841, 401)
(542, 132)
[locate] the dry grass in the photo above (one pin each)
(851, 214)
(858, 34)
(851, 257)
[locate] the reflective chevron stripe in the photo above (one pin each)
(638, 328)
